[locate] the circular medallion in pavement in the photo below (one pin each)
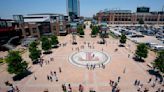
(84, 58)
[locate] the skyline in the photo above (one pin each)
(87, 7)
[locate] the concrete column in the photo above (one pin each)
(22, 27)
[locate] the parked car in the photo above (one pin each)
(159, 47)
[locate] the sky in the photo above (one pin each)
(87, 7)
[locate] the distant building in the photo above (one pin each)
(7, 30)
(9, 37)
(37, 25)
(73, 8)
(143, 9)
(127, 17)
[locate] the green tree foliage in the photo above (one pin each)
(123, 39)
(54, 40)
(142, 51)
(95, 30)
(15, 63)
(159, 61)
(34, 52)
(46, 44)
(141, 21)
(84, 27)
(32, 46)
(80, 30)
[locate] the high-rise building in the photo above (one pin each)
(73, 8)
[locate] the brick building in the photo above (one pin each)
(36, 25)
(127, 17)
(7, 30)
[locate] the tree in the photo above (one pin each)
(84, 27)
(123, 39)
(46, 44)
(81, 32)
(54, 40)
(34, 52)
(95, 30)
(15, 63)
(142, 51)
(159, 61)
(32, 46)
(141, 21)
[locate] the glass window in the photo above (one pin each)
(61, 28)
(34, 30)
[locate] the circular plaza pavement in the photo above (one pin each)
(89, 57)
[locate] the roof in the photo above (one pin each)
(6, 19)
(45, 19)
(117, 11)
(44, 14)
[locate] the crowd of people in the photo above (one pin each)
(12, 88)
(114, 84)
(68, 88)
(152, 83)
(93, 66)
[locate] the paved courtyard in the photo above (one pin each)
(117, 63)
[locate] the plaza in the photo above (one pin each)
(73, 60)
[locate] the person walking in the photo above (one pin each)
(35, 78)
(51, 73)
(56, 78)
(81, 88)
(138, 82)
(87, 66)
(128, 55)
(48, 77)
(149, 80)
(64, 88)
(70, 88)
(124, 70)
(51, 78)
(55, 73)
(156, 79)
(139, 88)
(110, 82)
(135, 83)
(17, 89)
(60, 70)
(153, 84)
(119, 79)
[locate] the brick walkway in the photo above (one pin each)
(97, 79)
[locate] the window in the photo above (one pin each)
(54, 28)
(61, 28)
(60, 18)
(34, 30)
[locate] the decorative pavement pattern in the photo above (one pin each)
(87, 51)
(84, 58)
